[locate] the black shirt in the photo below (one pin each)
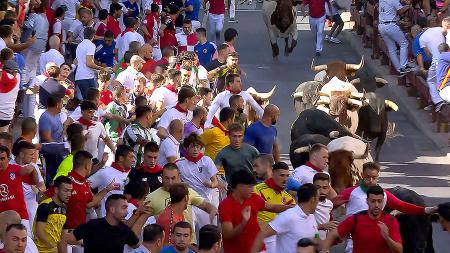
(214, 64)
(99, 236)
(154, 180)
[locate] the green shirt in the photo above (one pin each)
(65, 167)
(233, 160)
(113, 127)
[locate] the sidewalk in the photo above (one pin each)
(408, 105)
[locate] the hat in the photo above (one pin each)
(10, 66)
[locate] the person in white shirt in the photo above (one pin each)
(152, 239)
(325, 206)
(129, 77)
(233, 87)
(52, 55)
(167, 95)
(127, 36)
(85, 74)
(11, 83)
(76, 31)
(187, 99)
(318, 162)
(117, 172)
(71, 7)
(282, 226)
(169, 151)
(9, 218)
(57, 28)
(200, 172)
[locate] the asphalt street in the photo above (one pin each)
(408, 159)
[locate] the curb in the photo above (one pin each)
(419, 118)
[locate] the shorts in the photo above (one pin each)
(4, 123)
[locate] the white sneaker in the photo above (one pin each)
(335, 40)
(327, 38)
(428, 108)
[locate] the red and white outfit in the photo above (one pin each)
(169, 147)
(113, 25)
(124, 40)
(77, 205)
(317, 20)
(175, 112)
(104, 177)
(186, 42)
(215, 18)
(95, 132)
(169, 39)
(305, 173)
(9, 88)
(222, 100)
(152, 23)
(166, 94)
(129, 78)
(323, 215)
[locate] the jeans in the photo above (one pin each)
(432, 86)
(317, 25)
(83, 85)
(392, 35)
(215, 27)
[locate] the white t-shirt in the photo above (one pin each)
(128, 78)
(51, 55)
(195, 174)
(123, 42)
(164, 95)
(431, 39)
(85, 48)
(71, 7)
(172, 114)
(103, 178)
(304, 174)
(169, 147)
(388, 10)
(93, 136)
(291, 226)
(76, 114)
(2, 44)
(322, 215)
(8, 100)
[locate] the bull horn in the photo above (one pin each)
(252, 91)
(381, 80)
(366, 153)
(300, 150)
(317, 68)
(355, 81)
(267, 95)
(323, 100)
(325, 94)
(334, 134)
(355, 102)
(355, 66)
(297, 95)
(393, 106)
(356, 94)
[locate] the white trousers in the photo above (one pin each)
(271, 244)
(215, 27)
(29, 105)
(232, 8)
(31, 63)
(445, 94)
(349, 246)
(317, 25)
(432, 86)
(392, 35)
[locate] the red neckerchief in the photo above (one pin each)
(134, 202)
(119, 168)
(232, 92)
(127, 30)
(153, 170)
(269, 182)
(86, 122)
(314, 167)
(178, 107)
(171, 88)
(194, 159)
(221, 127)
(8, 83)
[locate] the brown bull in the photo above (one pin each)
(337, 69)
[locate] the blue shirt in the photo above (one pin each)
(134, 6)
(292, 184)
(48, 122)
(205, 52)
(192, 15)
(105, 54)
(171, 249)
(416, 50)
(442, 68)
(261, 137)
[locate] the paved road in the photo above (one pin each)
(408, 160)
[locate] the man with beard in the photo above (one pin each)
(262, 167)
(272, 190)
(324, 207)
(263, 134)
(221, 73)
(51, 216)
(282, 226)
(371, 230)
(182, 233)
(237, 103)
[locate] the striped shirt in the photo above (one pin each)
(134, 132)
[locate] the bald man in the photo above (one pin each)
(169, 151)
(129, 77)
(52, 55)
(262, 134)
(146, 53)
(8, 218)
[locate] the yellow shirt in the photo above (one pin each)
(215, 139)
(272, 197)
(54, 217)
(160, 199)
(65, 167)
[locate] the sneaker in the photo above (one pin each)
(335, 40)
(232, 20)
(439, 106)
(401, 73)
(428, 108)
(317, 54)
(327, 38)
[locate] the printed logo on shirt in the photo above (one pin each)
(160, 179)
(4, 191)
(12, 175)
(205, 50)
(200, 169)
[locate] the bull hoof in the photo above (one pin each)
(275, 50)
(275, 58)
(287, 51)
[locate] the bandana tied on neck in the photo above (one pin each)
(178, 107)
(363, 186)
(314, 167)
(153, 170)
(86, 122)
(271, 183)
(194, 159)
(231, 91)
(119, 167)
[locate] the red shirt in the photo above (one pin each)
(101, 29)
(150, 25)
(113, 26)
(106, 97)
(162, 61)
(230, 210)
(77, 205)
(164, 221)
(11, 190)
(148, 66)
(366, 234)
(316, 8)
(217, 7)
